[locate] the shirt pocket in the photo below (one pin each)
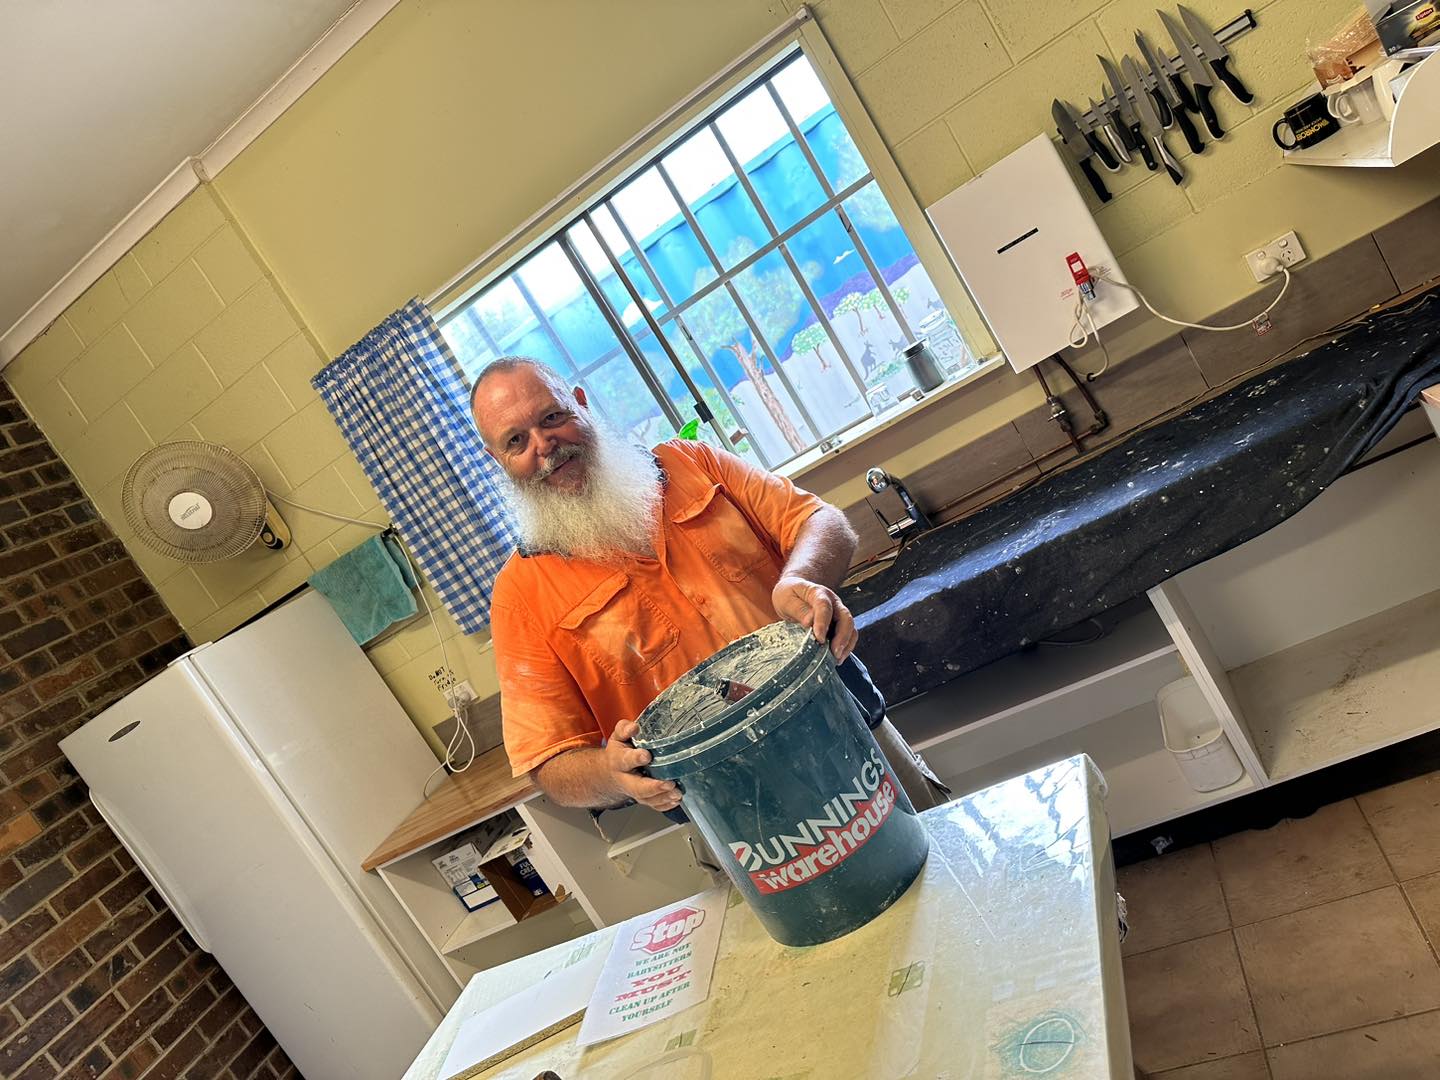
(723, 535)
(619, 629)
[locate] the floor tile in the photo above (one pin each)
(1300, 863)
(1406, 820)
(1172, 898)
(1346, 963)
(1244, 1067)
(1407, 1049)
(1188, 1004)
(1424, 894)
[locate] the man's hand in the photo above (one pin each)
(815, 607)
(622, 759)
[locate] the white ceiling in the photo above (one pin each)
(101, 99)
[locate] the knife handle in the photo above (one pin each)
(1117, 145)
(1207, 110)
(1182, 91)
(1167, 117)
(1143, 144)
(1231, 80)
(1100, 150)
(1090, 174)
(1171, 165)
(1187, 128)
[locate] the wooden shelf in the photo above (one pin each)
(483, 790)
(1052, 687)
(491, 919)
(1365, 685)
(1146, 786)
(1415, 127)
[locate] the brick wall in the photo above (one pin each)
(96, 976)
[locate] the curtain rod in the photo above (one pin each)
(801, 16)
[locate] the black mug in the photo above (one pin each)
(1308, 122)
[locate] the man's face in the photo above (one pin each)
(537, 435)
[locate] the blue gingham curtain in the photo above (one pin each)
(401, 405)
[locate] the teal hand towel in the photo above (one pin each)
(370, 587)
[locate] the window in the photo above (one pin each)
(749, 286)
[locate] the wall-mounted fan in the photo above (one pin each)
(198, 502)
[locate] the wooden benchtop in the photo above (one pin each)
(462, 799)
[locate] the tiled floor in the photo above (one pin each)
(1306, 951)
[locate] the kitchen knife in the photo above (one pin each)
(1151, 84)
(1117, 145)
(1150, 119)
(1097, 146)
(1079, 149)
(1111, 112)
(1217, 54)
(1174, 69)
(1200, 76)
(1167, 92)
(1127, 113)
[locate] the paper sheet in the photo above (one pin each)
(514, 1022)
(659, 964)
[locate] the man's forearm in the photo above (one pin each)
(823, 549)
(578, 778)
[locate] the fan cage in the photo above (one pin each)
(234, 491)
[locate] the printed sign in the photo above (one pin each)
(659, 964)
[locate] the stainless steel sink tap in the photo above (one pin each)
(905, 518)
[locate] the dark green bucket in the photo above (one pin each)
(786, 783)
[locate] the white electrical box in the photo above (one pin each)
(1010, 231)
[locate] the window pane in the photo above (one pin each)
(615, 388)
(614, 240)
(703, 176)
(653, 218)
(805, 351)
(747, 374)
(761, 141)
(848, 294)
(806, 101)
(654, 353)
(909, 284)
(466, 337)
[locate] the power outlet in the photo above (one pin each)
(1286, 250)
(460, 693)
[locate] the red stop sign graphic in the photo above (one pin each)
(669, 930)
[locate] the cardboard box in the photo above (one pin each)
(461, 865)
(1409, 26)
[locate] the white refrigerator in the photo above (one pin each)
(249, 780)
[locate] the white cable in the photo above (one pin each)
(1082, 309)
(460, 726)
(1249, 324)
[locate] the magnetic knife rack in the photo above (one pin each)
(1241, 24)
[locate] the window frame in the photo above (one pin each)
(699, 113)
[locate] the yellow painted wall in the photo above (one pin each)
(454, 120)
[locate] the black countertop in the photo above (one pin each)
(1113, 526)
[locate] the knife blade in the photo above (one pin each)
(1167, 92)
(1076, 146)
(1117, 146)
(1154, 84)
(1150, 119)
(1128, 116)
(1174, 69)
(1097, 146)
(1200, 77)
(1217, 54)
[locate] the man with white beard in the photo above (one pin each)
(634, 566)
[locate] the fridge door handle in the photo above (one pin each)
(135, 848)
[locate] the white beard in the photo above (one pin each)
(612, 516)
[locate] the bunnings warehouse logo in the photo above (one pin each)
(820, 843)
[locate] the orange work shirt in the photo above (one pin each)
(581, 645)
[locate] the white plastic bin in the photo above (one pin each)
(1193, 734)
